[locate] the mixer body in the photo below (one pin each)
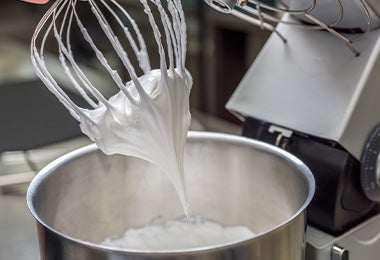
(328, 98)
(317, 99)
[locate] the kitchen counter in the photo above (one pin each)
(18, 233)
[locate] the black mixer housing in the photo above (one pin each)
(339, 202)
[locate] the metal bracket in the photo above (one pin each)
(283, 134)
(339, 253)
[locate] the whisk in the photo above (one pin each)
(261, 13)
(149, 117)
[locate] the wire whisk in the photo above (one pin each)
(149, 115)
(264, 15)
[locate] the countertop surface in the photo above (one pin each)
(18, 236)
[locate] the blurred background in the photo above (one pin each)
(35, 128)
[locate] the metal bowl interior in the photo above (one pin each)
(86, 196)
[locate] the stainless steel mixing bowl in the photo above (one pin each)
(85, 196)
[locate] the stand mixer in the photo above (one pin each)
(312, 96)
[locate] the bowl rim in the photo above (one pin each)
(303, 170)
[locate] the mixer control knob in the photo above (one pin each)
(370, 166)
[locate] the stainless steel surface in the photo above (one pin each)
(375, 5)
(314, 86)
(339, 253)
(85, 196)
(361, 242)
(224, 6)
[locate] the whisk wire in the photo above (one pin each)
(368, 24)
(103, 61)
(157, 36)
(169, 35)
(143, 54)
(63, 16)
(113, 39)
(140, 51)
(40, 66)
(178, 5)
(63, 53)
(177, 27)
(67, 71)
